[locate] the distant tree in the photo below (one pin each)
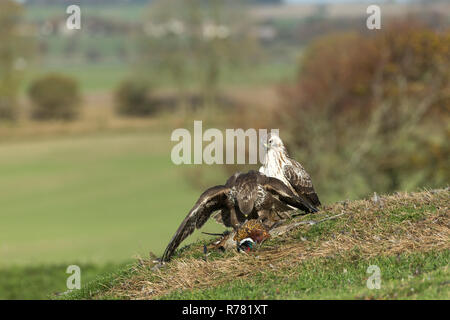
(55, 96)
(133, 98)
(14, 50)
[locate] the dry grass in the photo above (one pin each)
(399, 223)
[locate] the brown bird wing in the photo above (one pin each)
(223, 216)
(232, 180)
(246, 188)
(278, 188)
(301, 182)
(210, 201)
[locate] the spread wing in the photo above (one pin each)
(223, 217)
(301, 181)
(210, 201)
(278, 188)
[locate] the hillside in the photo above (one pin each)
(326, 256)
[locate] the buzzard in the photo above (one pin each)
(279, 165)
(244, 196)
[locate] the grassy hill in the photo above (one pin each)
(88, 198)
(406, 235)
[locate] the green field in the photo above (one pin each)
(44, 281)
(90, 77)
(108, 75)
(101, 198)
(125, 12)
(97, 201)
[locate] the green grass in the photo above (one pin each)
(410, 213)
(44, 281)
(107, 75)
(92, 198)
(91, 77)
(100, 284)
(412, 276)
(262, 74)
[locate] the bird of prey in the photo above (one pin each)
(279, 165)
(244, 196)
